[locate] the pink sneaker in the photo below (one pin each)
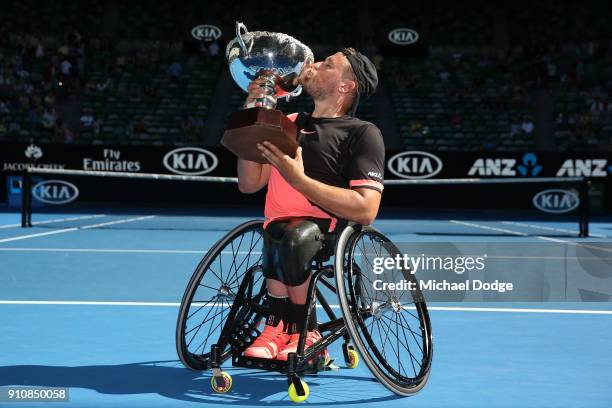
(271, 340)
(311, 338)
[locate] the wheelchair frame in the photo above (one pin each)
(246, 307)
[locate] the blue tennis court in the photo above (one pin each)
(91, 304)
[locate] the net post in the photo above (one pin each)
(26, 205)
(583, 210)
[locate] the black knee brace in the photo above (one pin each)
(289, 248)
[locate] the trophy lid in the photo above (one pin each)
(253, 51)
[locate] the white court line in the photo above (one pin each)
(562, 241)
(42, 234)
(578, 244)
(203, 252)
(486, 227)
(117, 250)
(84, 217)
(439, 308)
(521, 224)
(519, 310)
(104, 224)
(102, 250)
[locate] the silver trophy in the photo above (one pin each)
(279, 59)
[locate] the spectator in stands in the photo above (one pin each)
(120, 62)
(198, 127)
(3, 108)
(151, 93)
(213, 49)
(50, 100)
(454, 120)
(552, 70)
(48, 118)
(416, 128)
(34, 115)
(175, 70)
(14, 128)
(3, 128)
(597, 106)
(102, 86)
(579, 71)
(515, 129)
(40, 51)
(561, 121)
(24, 102)
(444, 75)
(95, 126)
(188, 128)
(140, 127)
(22, 73)
(62, 133)
(87, 119)
(527, 126)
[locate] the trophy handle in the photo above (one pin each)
(239, 27)
(295, 93)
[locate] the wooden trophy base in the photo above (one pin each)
(250, 126)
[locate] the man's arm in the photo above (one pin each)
(359, 204)
(252, 176)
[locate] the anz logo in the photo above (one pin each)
(55, 192)
(507, 167)
(556, 201)
(584, 168)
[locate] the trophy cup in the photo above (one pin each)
(279, 59)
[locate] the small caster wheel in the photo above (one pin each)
(293, 395)
(222, 388)
(353, 360)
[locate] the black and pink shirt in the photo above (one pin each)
(343, 152)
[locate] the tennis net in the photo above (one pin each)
(95, 199)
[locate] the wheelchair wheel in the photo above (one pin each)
(211, 292)
(390, 329)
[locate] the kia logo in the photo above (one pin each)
(190, 161)
(414, 165)
(556, 201)
(403, 36)
(206, 32)
(55, 192)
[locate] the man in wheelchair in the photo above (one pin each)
(336, 176)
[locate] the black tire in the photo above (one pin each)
(367, 311)
(241, 249)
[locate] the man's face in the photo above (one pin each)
(321, 79)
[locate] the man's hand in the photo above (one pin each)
(255, 92)
(292, 170)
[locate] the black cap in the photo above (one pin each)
(365, 73)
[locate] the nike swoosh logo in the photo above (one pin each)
(306, 133)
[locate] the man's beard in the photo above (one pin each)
(315, 92)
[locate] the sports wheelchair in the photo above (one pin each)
(224, 308)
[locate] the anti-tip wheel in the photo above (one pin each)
(353, 360)
(293, 395)
(222, 388)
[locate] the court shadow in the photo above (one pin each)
(171, 380)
